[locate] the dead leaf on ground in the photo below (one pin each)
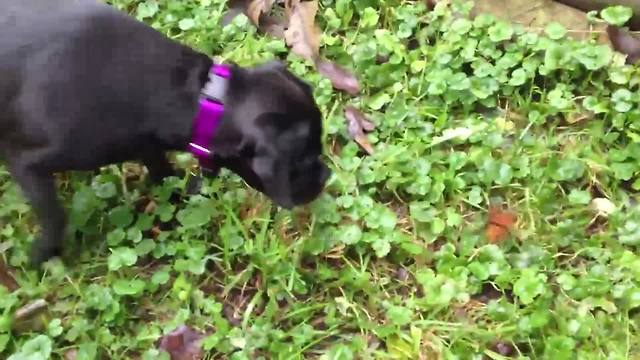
(31, 317)
(255, 9)
(6, 277)
(71, 354)
(183, 343)
(625, 42)
(357, 125)
(499, 224)
(302, 34)
(341, 79)
(258, 12)
(252, 8)
(536, 14)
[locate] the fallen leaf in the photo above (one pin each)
(602, 206)
(341, 79)
(183, 343)
(6, 277)
(31, 317)
(71, 354)
(258, 12)
(31, 309)
(272, 26)
(536, 14)
(499, 224)
(357, 125)
(625, 42)
(302, 34)
(255, 9)
(236, 7)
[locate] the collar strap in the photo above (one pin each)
(209, 114)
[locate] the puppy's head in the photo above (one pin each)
(271, 134)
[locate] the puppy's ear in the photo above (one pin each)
(230, 142)
(273, 65)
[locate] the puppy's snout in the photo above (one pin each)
(325, 173)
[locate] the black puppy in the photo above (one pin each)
(83, 85)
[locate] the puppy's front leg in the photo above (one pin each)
(158, 166)
(40, 191)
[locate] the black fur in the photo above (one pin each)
(83, 85)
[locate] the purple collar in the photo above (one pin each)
(209, 114)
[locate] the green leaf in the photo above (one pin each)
(351, 234)
(195, 216)
(369, 18)
(461, 26)
(559, 347)
(529, 285)
(555, 30)
(622, 100)
(145, 247)
(593, 57)
(518, 77)
(147, 9)
(579, 197)
(616, 15)
(121, 216)
(437, 225)
(128, 287)
(186, 24)
(381, 247)
(4, 340)
(87, 351)
(39, 348)
(399, 315)
(500, 31)
(104, 190)
(122, 257)
(379, 100)
(160, 277)
(624, 170)
(54, 328)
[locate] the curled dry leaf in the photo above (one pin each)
(602, 206)
(255, 9)
(357, 125)
(625, 43)
(499, 224)
(183, 343)
(6, 277)
(341, 79)
(31, 317)
(252, 8)
(302, 34)
(258, 12)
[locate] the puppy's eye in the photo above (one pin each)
(247, 151)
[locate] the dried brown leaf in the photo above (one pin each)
(302, 34)
(272, 26)
(499, 224)
(357, 125)
(255, 9)
(183, 343)
(31, 317)
(258, 12)
(625, 42)
(31, 309)
(341, 79)
(6, 277)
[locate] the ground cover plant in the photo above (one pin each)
(486, 209)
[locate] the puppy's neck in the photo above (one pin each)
(209, 114)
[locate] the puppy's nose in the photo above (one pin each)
(324, 174)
